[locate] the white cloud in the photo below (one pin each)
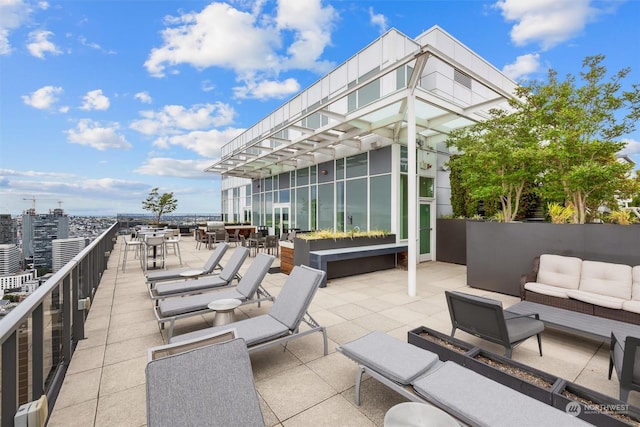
(175, 119)
(39, 44)
(143, 97)
(13, 13)
(95, 100)
(378, 20)
(547, 22)
(43, 98)
(35, 174)
(217, 36)
(524, 65)
(311, 25)
(267, 89)
(93, 134)
(251, 42)
(205, 143)
(632, 147)
(162, 166)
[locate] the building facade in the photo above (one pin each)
(38, 231)
(365, 146)
(9, 259)
(63, 250)
(8, 233)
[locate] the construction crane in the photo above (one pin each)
(33, 206)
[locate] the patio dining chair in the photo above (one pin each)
(233, 238)
(172, 240)
(154, 251)
(282, 323)
(131, 245)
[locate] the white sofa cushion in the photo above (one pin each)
(596, 299)
(635, 289)
(558, 270)
(607, 279)
(633, 305)
(541, 288)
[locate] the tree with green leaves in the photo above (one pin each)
(159, 204)
(501, 157)
(579, 127)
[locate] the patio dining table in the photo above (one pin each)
(255, 242)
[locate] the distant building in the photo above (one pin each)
(38, 231)
(7, 230)
(17, 281)
(63, 250)
(9, 259)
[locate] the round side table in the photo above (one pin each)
(191, 274)
(416, 414)
(225, 310)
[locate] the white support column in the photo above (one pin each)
(412, 228)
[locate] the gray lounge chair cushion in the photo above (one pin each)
(211, 386)
(394, 359)
(254, 275)
(254, 331)
(484, 402)
(232, 267)
(181, 305)
(294, 300)
(189, 285)
(174, 274)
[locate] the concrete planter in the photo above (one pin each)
(302, 248)
(475, 360)
(594, 412)
(454, 352)
(451, 240)
(499, 253)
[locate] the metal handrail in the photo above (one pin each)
(23, 349)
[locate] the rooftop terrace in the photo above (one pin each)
(298, 386)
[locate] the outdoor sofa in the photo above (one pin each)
(602, 289)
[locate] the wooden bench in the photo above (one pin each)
(320, 259)
(586, 325)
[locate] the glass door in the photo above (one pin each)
(425, 232)
(280, 218)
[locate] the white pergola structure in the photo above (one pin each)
(397, 90)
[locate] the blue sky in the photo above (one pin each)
(100, 101)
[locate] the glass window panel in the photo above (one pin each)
(248, 195)
(255, 209)
(314, 207)
(401, 78)
(357, 165)
(356, 208)
(313, 174)
(267, 184)
(369, 93)
(284, 196)
(403, 159)
(380, 200)
(302, 208)
(426, 187)
(340, 169)
(303, 177)
(380, 161)
(325, 206)
(268, 217)
(404, 207)
(340, 206)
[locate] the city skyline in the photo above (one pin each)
(102, 101)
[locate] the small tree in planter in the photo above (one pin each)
(159, 204)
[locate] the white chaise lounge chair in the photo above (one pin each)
(203, 284)
(419, 376)
(282, 323)
(248, 291)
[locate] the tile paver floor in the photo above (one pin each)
(298, 386)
